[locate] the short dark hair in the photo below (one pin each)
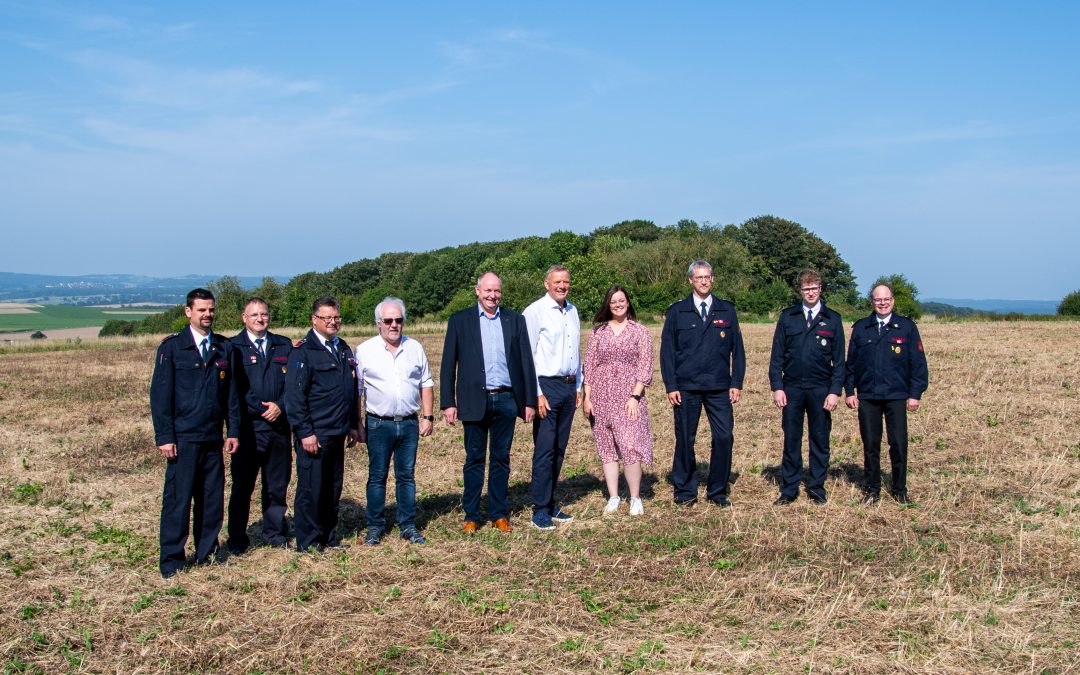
(324, 301)
(256, 299)
(198, 294)
(603, 315)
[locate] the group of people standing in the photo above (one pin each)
(318, 396)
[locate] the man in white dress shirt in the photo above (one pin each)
(555, 339)
(395, 383)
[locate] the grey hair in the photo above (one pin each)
(553, 269)
(389, 300)
(696, 264)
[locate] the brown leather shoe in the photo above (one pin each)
(502, 525)
(470, 527)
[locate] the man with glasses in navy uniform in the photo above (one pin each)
(265, 439)
(320, 401)
(886, 376)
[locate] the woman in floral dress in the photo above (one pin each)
(618, 367)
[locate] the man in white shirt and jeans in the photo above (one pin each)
(395, 383)
(555, 338)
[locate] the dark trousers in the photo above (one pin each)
(717, 405)
(318, 491)
(550, 436)
(500, 416)
(196, 475)
(895, 413)
(269, 453)
(809, 403)
(386, 440)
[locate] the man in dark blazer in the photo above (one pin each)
(487, 380)
(886, 376)
(191, 395)
(703, 362)
(806, 375)
(262, 360)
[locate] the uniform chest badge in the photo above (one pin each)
(283, 370)
(221, 375)
(896, 348)
(253, 358)
(723, 334)
(824, 342)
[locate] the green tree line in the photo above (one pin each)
(755, 265)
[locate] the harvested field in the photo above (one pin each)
(981, 574)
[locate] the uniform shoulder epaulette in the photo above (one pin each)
(168, 337)
(300, 342)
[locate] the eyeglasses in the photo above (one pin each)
(396, 319)
(264, 315)
(882, 301)
(329, 319)
(811, 289)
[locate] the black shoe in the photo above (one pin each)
(169, 573)
(784, 500)
(819, 499)
(722, 502)
(901, 497)
(870, 498)
(278, 543)
(373, 538)
(686, 502)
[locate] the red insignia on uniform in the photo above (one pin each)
(825, 332)
(298, 343)
(899, 341)
(720, 322)
(918, 345)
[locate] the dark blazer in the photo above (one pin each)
(461, 377)
(261, 379)
(702, 355)
(808, 357)
(190, 398)
(888, 366)
(320, 391)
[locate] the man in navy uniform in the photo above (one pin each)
(487, 381)
(806, 375)
(262, 359)
(703, 362)
(191, 394)
(886, 375)
(320, 401)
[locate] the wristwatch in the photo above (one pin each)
(429, 418)
(638, 397)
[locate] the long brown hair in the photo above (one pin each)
(603, 315)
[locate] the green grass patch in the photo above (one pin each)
(54, 317)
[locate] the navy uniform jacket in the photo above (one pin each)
(889, 366)
(320, 391)
(261, 379)
(811, 357)
(702, 355)
(189, 399)
(464, 349)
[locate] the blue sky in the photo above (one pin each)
(939, 140)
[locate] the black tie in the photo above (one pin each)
(203, 348)
(333, 349)
(880, 326)
(809, 317)
(704, 311)
(258, 345)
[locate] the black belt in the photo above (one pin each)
(569, 379)
(392, 418)
(499, 390)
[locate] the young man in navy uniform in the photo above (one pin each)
(191, 394)
(886, 375)
(320, 401)
(262, 360)
(806, 375)
(703, 362)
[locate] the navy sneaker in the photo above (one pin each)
(542, 521)
(560, 516)
(413, 536)
(372, 538)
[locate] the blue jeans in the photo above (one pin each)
(498, 423)
(386, 438)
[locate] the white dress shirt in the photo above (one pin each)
(555, 338)
(391, 382)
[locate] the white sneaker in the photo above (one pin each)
(612, 505)
(636, 507)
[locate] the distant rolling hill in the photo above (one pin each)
(998, 306)
(101, 289)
